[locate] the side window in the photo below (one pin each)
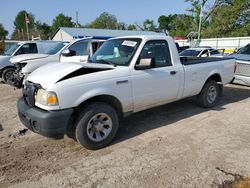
(96, 45)
(80, 48)
(205, 53)
(30, 48)
(214, 52)
(158, 50)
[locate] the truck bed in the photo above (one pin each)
(197, 60)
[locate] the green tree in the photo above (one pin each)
(166, 22)
(181, 25)
(131, 27)
(20, 31)
(149, 25)
(3, 32)
(61, 21)
(177, 24)
(202, 10)
(43, 29)
(104, 21)
(121, 26)
(230, 20)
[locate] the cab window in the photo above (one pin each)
(205, 53)
(29, 48)
(158, 51)
(214, 52)
(96, 45)
(80, 48)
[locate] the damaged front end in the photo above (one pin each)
(18, 75)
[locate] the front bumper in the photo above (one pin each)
(51, 124)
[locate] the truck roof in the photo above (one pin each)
(152, 37)
(38, 41)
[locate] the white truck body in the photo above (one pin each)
(132, 88)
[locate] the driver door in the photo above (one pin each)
(158, 84)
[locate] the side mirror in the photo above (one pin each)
(68, 53)
(145, 63)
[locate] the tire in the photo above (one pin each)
(91, 130)
(209, 95)
(8, 76)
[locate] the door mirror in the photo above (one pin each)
(68, 53)
(145, 63)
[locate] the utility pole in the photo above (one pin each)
(27, 28)
(199, 32)
(77, 25)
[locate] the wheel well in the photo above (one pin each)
(108, 99)
(215, 77)
(7, 68)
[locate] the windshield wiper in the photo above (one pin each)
(102, 61)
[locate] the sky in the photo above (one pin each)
(128, 11)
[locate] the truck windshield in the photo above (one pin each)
(11, 50)
(244, 50)
(55, 48)
(117, 52)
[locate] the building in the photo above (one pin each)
(68, 33)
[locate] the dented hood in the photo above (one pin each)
(52, 73)
(26, 57)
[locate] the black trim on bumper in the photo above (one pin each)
(51, 124)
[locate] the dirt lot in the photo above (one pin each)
(176, 145)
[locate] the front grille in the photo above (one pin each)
(242, 69)
(29, 92)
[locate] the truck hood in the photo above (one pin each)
(243, 57)
(52, 73)
(26, 57)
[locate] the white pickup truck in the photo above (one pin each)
(124, 76)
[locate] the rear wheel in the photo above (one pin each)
(8, 75)
(96, 125)
(209, 95)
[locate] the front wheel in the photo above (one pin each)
(209, 95)
(8, 76)
(96, 125)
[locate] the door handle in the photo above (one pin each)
(173, 72)
(122, 82)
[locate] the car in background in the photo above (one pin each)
(242, 72)
(77, 51)
(28, 47)
(181, 48)
(201, 52)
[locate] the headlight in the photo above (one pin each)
(47, 98)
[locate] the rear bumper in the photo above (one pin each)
(51, 124)
(243, 80)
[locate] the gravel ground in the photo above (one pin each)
(176, 145)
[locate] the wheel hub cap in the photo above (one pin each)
(211, 94)
(99, 127)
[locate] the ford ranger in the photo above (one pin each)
(124, 76)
